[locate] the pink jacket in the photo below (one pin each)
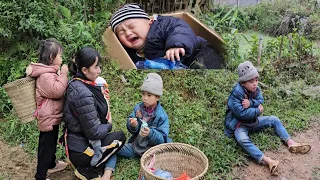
(50, 88)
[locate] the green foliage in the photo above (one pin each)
(266, 15)
(4, 176)
(24, 23)
(27, 18)
(194, 100)
(315, 24)
(316, 173)
(232, 47)
(225, 18)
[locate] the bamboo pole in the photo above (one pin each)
(290, 46)
(280, 47)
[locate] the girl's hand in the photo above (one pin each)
(133, 122)
(64, 69)
(145, 132)
(261, 109)
(245, 103)
(174, 54)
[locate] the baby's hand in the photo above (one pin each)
(245, 103)
(174, 54)
(64, 69)
(145, 132)
(133, 122)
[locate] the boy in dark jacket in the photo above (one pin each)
(163, 36)
(148, 123)
(244, 116)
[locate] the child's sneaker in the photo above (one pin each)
(60, 165)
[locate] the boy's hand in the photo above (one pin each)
(261, 108)
(64, 69)
(245, 103)
(174, 54)
(145, 132)
(138, 114)
(133, 122)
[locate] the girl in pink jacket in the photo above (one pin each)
(50, 87)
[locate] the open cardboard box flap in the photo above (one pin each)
(116, 51)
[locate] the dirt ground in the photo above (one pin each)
(16, 164)
(292, 166)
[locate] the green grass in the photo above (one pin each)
(245, 46)
(4, 176)
(195, 102)
(316, 173)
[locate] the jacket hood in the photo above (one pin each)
(37, 69)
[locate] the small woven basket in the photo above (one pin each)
(175, 158)
(22, 94)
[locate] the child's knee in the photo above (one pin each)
(275, 119)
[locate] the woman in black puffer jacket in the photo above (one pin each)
(85, 116)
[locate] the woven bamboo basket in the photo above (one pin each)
(22, 94)
(175, 158)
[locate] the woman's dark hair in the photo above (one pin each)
(85, 57)
(48, 50)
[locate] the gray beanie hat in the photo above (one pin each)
(247, 71)
(127, 11)
(153, 84)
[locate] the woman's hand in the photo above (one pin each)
(133, 122)
(145, 132)
(174, 54)
(245, 103)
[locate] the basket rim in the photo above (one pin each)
(173, 144)
(20, 80)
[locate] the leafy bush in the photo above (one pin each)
(266, 15)
(226, 18)
(24, 23)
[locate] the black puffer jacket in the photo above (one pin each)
(81, 117)
(170, 32)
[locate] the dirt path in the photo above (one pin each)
(292, 166)
(16, 164)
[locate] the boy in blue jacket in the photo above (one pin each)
(148, 123)
(244, 115)
(163, 36)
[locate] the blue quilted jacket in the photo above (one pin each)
(159, 126)
(170, 32)
(236, 113)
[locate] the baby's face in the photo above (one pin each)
(132, 33)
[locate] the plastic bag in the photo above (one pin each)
(163, 174)
(183, 176)
(160, 63)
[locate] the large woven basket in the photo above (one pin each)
(23, 98)
(175, 158)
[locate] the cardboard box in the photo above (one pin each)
(118, 53)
